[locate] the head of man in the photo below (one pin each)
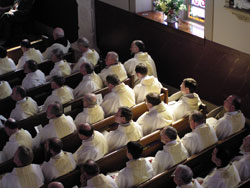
(55, 184)
(232, 103)
(182, 175)
(188, 86)
(134, 150)
(124, 115)
(53, 146)
(83, 44)
(54, 110)
(30, 66)
(89, 100)
(90, 169)
(196, 118)
(85, 131)
(57, 82)
(57, 55)
(221, 156)
(25, 45)
(23, 156)
(246, 144)
(58, 33)
(112, 80)
(86, 68)
(18, 93)
(168, 134)
(112, 58)
(137, 46)
(3, 52)
(10, 126)
(152, 99)
(141, 70)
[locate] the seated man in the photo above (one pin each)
(92, 112)
(90, 81)
(243, 162)
(202, 135)
(90, 54)
(34, 77)
(140, 56)
(137, 169)
(188, 100)
(29, 53)
(225, 174)
(17, 137)
(173, 151)
(113, 66)
(60, 162)
(25, 106)
(159, 115)
(91, 177)
(120, 95)
(59, 125)
(6, 64)
(148, 84)
(183, 177)
(25, 174)
(127, 130)
(61, 93)
(61, 67)
(5, 89)
(60, 42)
(232, 121)
(94, 145)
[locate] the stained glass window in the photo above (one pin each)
(196, 10)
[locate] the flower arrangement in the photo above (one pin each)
(170, 8)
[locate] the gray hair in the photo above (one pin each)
(83, 42)
(186, 174)
(90, 98)
(58, 32)
(114, 55)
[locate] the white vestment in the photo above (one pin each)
(135, 172)
(200, 138)
(62, 95)
(21, 137)
(48, 52)
(193, 184)
(90, 115)
(30, 176)
(33, 79)
(227, 177)
(184, 105)
(147, 85)
(58, 165)
(91, 55)
(123, 134)
(117, 69)
(57, 127)
(6, 65)
(121, 95)
(159, 116)
(30, 54)
(144, 58)
(243, 166)
(25, 108)
(93, 148)
(173, 153)
(61, 68)
(101, 181)
(89, 84)
(5, 89)
(229, 124)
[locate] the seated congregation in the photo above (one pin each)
(167, 136)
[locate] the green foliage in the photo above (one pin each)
(170, 7)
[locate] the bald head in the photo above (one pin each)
(89, 100)
(55, 185)
(58, 33)
(85, 130)
(246, 144)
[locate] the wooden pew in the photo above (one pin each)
(244, 184)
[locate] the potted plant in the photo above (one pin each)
(170, 8)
